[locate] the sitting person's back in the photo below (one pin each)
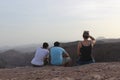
(40, 55)
(85, 49)
(58, 55)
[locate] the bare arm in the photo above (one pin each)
(66, 54)
(49, 59)
(78, 48)
(92, 40)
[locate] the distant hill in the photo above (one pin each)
(5, 48)
(109, 40)
(100, 38)
(27, 48)
(32, 47)
(13, 58)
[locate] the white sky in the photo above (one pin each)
(36, 21)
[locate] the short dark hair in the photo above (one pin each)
(56, 43)
(86, 34)
(45, 45)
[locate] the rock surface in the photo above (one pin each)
(96, 71)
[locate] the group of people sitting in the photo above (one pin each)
(58, 56)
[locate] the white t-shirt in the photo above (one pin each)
(40, 54)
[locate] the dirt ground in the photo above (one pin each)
(96, 71)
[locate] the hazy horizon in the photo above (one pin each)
(37, 21)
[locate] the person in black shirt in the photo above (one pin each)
(84, 49)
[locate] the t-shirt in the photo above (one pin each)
(40, 54)
(56, 54)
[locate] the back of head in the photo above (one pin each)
(86, 34)
(56, 43)
(45, 45)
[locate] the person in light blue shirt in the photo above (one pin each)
(59, 56)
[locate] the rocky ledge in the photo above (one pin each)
(96, 71)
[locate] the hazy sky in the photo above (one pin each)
(36, 21)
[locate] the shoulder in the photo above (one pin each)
(46, 50)
(80, 43)
(43, 49)
(52, 48)
(57, 48)
(61, 48)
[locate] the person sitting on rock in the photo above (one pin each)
(85, 49)
(40, 55)
(58, 56)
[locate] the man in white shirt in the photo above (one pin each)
(40, 55)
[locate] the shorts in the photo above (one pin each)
(66, 60)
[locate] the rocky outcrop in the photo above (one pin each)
(95, 71)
